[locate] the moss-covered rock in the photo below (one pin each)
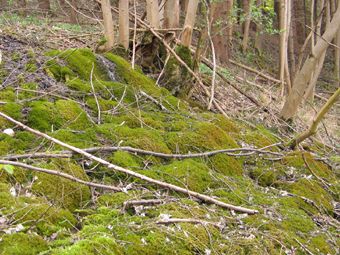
(64, 192)
(22, 244)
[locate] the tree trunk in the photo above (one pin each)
(124, 23)
(152, 12)
(304, 75)
(44, 5)
(108, 24)
(189, 22)
(219, 24)
(22, 7)
(337, 58)
(229, 29)
(246, 24)
(171, 14)
(283, 40)
(73, 12)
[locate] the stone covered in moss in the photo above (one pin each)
(22, 244)
(64, 192)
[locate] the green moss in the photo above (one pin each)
(44, 116)
(135, 137)
(141, 82)
(312, 190)
(64, 192)
(22, 244)
(125, 159)
(81, 139)
(226, 165)
(31, 67)
(320, 245)
(7, 94)
(19, 143)
(187, 173)
(73, 115)
(81, 62)
(13, 110)
(295, 221)
(97, 245)
(202, 137)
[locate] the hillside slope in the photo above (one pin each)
(89, 100)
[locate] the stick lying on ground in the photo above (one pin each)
(229, 152)
(60, 174)
(202, 197)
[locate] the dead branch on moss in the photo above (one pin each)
(190, 193)
(94, 94)
(193, 221)
(60, 174)
(229, 152)
(146, 202)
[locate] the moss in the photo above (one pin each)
(81, 139)
(203, 136)
(320, 245)
(97, 245)
(31, 67)
(13, 110)
(44, 116)
(312, 190)
(135, 137)
(260, 137)
(226, 165)
(125, 159)
(64, 192)
(187, 173)
(73, 115)
(114, 200)
(141, 82)
(22, 244)
(7, 94)
(81, 62)
(19, 143)
(296, 221)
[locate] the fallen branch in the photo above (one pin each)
(131, 203)
(193, 221)
(68, 154)
(94, 94)
(109, 165)
(60, 174)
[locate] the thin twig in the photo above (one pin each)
(94, 94)
(229, 152)
(60, 174)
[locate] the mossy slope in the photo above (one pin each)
(62, 217)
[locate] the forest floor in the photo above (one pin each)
(49, 82)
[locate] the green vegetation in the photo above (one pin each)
(61, 217)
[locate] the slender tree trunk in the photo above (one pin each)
(108, 24)
(309, 95)
(171, 14)
(283, 41)
(189, 22)
(337, 58)
(259, 28)
(152, 11)
(124, 23)
(229, 29)
(22, 6)
(44, 5)
(219, 24)
(303, 76)
(73, 12)
(246, 25)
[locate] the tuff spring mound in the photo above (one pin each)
(43, 214)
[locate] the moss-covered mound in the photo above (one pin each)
(101, 101)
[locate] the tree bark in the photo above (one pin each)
(124, 23)
(189, 22)
(44, 5)
(171, 14)
(303, 76)
(152, 12)
(108, 24)
(219, 25)
(246, 24)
